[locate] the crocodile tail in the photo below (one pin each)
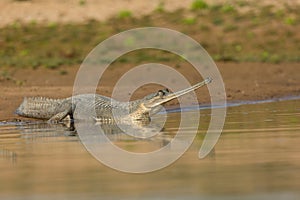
(38, 107)
(20, 110)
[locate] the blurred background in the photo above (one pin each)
(52, 33)
(256, 46)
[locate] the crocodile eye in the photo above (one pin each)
(160, 93)
(167, 90)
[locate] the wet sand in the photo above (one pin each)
(243, 81)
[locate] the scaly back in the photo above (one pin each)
(39, 107)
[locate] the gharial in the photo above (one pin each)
(106, 109)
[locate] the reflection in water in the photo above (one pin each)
(8, 155)
(257, 157)
(146, 137)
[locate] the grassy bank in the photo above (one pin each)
(239, 32)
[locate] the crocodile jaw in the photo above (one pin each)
(165, 97)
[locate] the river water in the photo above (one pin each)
(256, 157)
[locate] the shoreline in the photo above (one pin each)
(243, 82)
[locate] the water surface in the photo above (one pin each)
(256, 157)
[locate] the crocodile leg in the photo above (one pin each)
(58, 117)
(67, 110)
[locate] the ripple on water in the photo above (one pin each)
(257, 156)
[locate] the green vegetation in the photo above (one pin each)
(124, 14)
(160, 7)
(228, 8)
(189, 20)
(199, 5)
(82, 2)
(290, 21)
(228, 34)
